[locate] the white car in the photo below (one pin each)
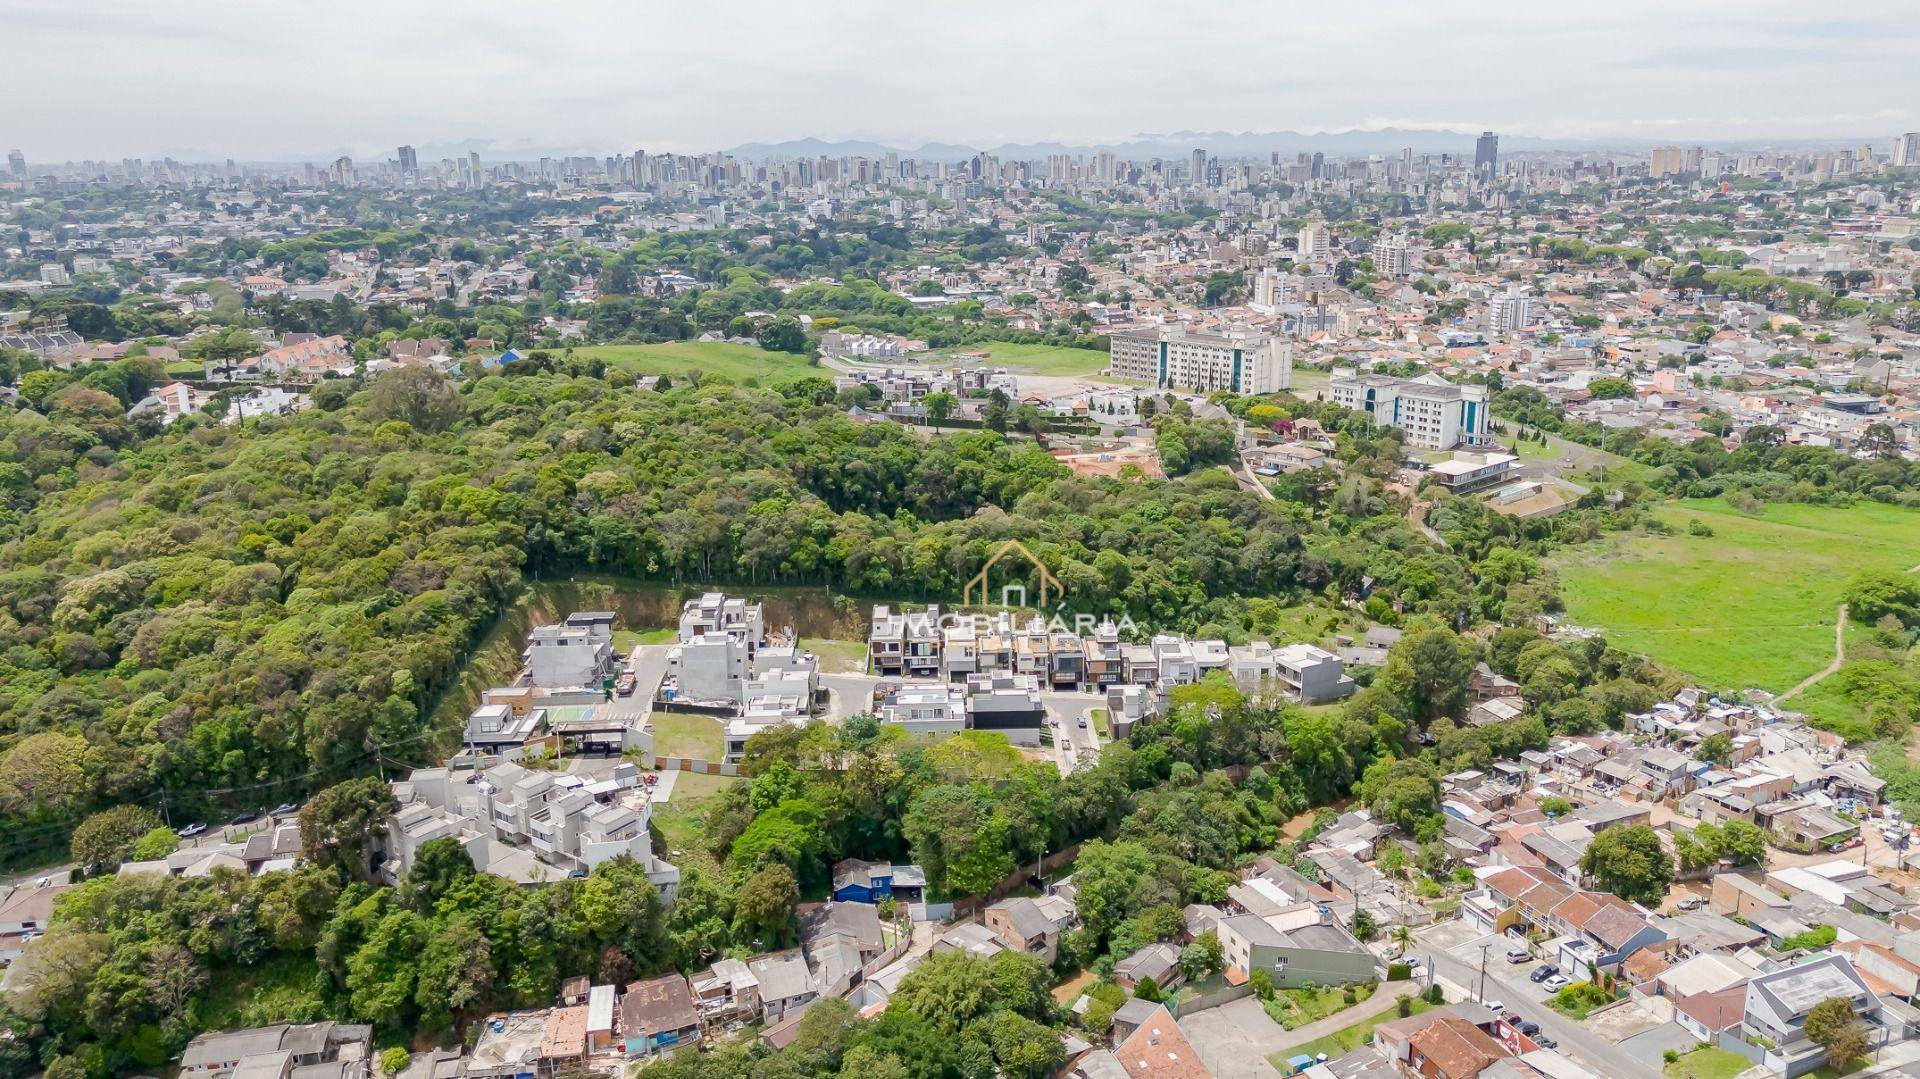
(1555, 983)
(1496, 1006)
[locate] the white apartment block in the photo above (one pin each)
(1511, 310)
(1432, 413)
(1906, 150)
(1315, 242)
(1395, 256)
(1174, 358)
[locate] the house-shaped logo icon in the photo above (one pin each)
(1012, 595)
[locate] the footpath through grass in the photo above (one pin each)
(1750, 605)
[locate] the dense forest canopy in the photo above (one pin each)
(234, 615)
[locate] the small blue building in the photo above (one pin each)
(856, 881)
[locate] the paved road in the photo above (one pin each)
(1573, 1038)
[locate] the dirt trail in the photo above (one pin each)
(1839, 656)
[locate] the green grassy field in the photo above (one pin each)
(1751, 605)
(682, 734)
(677, 358)
(681, 819)
(1708, 1063)
(838, 657)
(1042, 359)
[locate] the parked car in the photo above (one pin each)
(1555, 983)
(624, 685)
(1545, 1041)
(285, 808)
(192, 830)
(1540, 973)
(1692, 902)
(1496, 1007)
(1529, 1027)
(245, 816)
(1518, 955)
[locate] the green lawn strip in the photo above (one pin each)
(837, 657)
(1345, 1040)
(1051, 360)
(682, 734)
(1708, 1063)
(624, 640)
(677, 359)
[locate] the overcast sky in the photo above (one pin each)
(260, 79)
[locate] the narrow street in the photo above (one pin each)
(1573, 1038)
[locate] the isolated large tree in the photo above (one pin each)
(1630, 862)
(1832, 1025)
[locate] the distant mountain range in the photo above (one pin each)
(1230, 144)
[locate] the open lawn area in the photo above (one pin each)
(838, 657)
(1708, 1063)
(1345, 1040)
(1041, 359)
(681, 734)
(682, 819)
(1751, 605)
(624, 640)
(1295, 1008)
(676, 358)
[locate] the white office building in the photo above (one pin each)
(1433, 414)
(1240, 361)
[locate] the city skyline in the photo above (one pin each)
(199, 82)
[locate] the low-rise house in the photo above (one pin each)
(1292, 950)
(1311, 673)
(658, 1015)
(1441, 1044)
(1158, 1049)
(218, 1055)
(1777, 1005)
(1159, 961)
(783, 981)
(1031, 925)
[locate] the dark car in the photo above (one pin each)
(1529, 1028)
(1540, 973)
(1545, 1042)
(245, 816)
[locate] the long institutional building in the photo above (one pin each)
(1241, 361)
(1431, 412)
